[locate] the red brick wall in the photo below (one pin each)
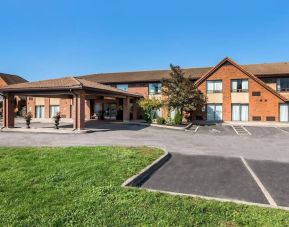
(265, 105)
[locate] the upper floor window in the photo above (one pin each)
(283, 84)
(214, 86)
(239, 85)
(155, 88)
(123, 87)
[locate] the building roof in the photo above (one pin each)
(12, 79)
(259, 70)
(65, 83)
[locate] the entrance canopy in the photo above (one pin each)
(68, 87)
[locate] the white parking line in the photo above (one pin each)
(259, 183)
(281, 129)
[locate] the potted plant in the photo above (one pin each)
(56, 120)
(28, 117)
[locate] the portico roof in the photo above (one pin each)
(64, 84)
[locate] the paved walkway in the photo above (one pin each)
(263, 144)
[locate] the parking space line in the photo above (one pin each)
(259, 183)
(282, 130)
(240, 130)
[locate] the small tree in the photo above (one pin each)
(150, 106)
(181, 92)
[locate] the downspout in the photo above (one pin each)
(75, 98)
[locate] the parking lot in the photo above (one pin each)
(229, 130)
(265, 182)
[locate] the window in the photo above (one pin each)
(283, 84)
(39, 111)
(155, 88)
(123, 87)
(54, 109)
(284, 112)
(240, 112)
(214, 112)
(239, 86)
(214, 86)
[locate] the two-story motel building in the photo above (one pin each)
(254, 92)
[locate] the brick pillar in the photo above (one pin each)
(46, 107)
(8, 111)
(74, 112)
(126, 109)
(87, 109)
(134, 110)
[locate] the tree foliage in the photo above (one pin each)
(150, 106)
(182, 94)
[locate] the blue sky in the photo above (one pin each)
(55, 38)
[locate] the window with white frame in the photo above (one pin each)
(214, 112)
(214, 86)
(123, 87)
(155, 88)
(240, 85)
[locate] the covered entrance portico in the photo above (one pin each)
(82, 95)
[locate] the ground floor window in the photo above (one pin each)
(54, 109)
(240, 112)
(284, 112)
(39, 111)
(214, 112)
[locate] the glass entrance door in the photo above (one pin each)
(214, 112)
(39, 111)
(240, 112)
(110, 111)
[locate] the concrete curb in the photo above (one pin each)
(156, 125)
(140, 177)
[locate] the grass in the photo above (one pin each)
(80, 186)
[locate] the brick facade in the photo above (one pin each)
(263, 106)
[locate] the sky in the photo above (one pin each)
(42, 39)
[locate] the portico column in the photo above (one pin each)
(78, 111)
(126, 109)
(8, 111)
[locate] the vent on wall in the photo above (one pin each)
(256, 118)
(270, 118)
(256, 93)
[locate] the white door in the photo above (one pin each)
(284, 113)
(240, 112)
(244, 112)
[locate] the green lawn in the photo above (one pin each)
(81, 186)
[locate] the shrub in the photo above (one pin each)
(150, 106)
(161, 120)
(178, 118)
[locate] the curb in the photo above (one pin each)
(140, 177)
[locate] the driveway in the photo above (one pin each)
(216, 141)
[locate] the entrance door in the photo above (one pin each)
(39, 111)
(240, 112)
(110, 111)
(214, 112)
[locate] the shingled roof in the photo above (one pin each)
(12, 79)
(259, 70)
(65, 83)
